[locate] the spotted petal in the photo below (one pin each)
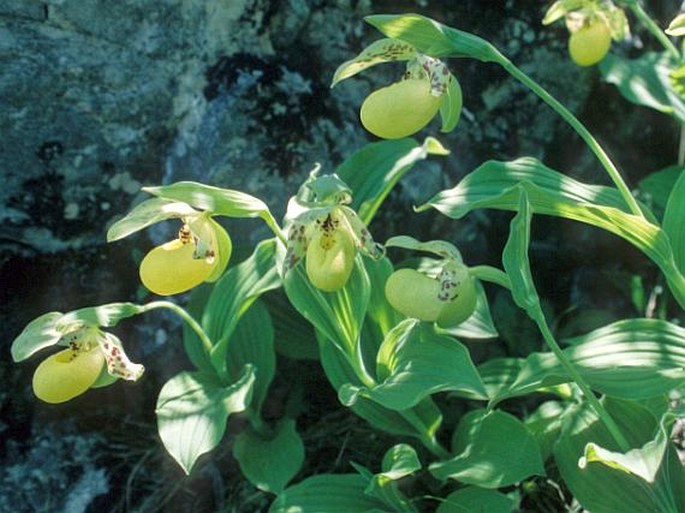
(118, 364)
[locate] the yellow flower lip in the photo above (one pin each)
(330, 258)
(171, 268)
(67, 374)
(590, 44)
(400, 109)
(416, 295)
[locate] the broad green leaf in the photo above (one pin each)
(270, 463)
(417, 362)
(471, 499)
(658, 185)
(450, 108)
(40, 333)
(501, 452)
(192, 410)
(378, 52)
(399, 461)
(631, 359)
(337, 315)
(674, 221)
(421, 422)
(234, 293)
(645, 81)
(252, 343)
(433, 38)
(497, 185)
(603, 489)
(380, 313)
(545, 425)
(498, 374)
(147, 213)
(374, 170)
(329, 493)
(643, 462)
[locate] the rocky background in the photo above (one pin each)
(99, 98)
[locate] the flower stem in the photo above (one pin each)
(583, 132)
(589, 395)
(656, 31)
(194, 325)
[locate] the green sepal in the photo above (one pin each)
(224, 248)
(441, 248)
(452, 103)
(378, 52)
(677, 26)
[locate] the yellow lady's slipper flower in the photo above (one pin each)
(330, 255)
(91, 354)
(185, 262)
(449, 299)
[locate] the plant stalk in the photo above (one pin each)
(583, 132)
(194, 325)
(608, 421)
(656, 31)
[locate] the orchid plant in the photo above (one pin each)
(388, 334)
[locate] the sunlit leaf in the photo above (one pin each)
(234, 293)
(418, 362)
(374, 170)
(329, 493)
(472, 498)
(147, 213)
(645, 81)
(192, 410)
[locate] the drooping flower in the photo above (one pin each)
(197, 255)
(405, 107)
(91, 357)
(592, 25)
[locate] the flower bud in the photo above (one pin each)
(330, 258)
(400, 109)
(172, 268)
(67, 374)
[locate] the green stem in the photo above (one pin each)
(583, 132)
(194, 325)
(589, 395)
(273, 224)
(491, 274)
(656, 31)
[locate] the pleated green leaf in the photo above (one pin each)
(497, 185)
(433, 38)
(420, 422)
(415, 362)
(631, 359)
(192, 410)
(329, 493)
(252, 343)
(607, 489)
(373, 171)
(399, 461)
(270, 463)
(645, 81)
(472, 498)
(674, 221)
(500, 452)
(233, 294)
(147, 213)
(337, 315)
